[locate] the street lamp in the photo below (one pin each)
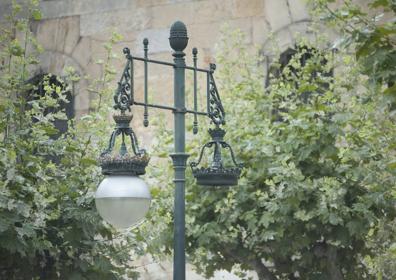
(123, 199)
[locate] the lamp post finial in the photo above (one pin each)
(178, 38)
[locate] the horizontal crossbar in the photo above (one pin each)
(171, 64)
(168, 108)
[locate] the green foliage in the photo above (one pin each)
(369, 29)
(319, 179)
(49, 227)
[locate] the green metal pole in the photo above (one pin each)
(178, 40)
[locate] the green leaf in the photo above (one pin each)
(36, 14)
(89, 161)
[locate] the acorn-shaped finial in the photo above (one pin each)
(178, 36)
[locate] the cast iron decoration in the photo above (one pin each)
(125, 162)
(122, 188)
(216, 174)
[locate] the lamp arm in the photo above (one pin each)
(124, 95)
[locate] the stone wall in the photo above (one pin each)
(72, 32)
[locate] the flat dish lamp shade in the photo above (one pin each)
(122, 201)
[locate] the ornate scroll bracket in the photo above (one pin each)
(123, 97)
(215, 107)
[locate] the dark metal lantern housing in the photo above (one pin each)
(217, 174)
(123, 162)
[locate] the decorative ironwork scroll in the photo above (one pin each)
(132, 160)
(123, 97)
(216, 111)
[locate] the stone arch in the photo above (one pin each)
(39, 81)
(56, 63)
(286, 37)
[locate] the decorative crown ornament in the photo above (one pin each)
(123, 162)
(123, 165)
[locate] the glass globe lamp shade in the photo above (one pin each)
(122, 201)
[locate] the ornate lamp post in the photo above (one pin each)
(123, 199)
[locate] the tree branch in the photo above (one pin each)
(262, 271)
(332, 268)
(323, 250)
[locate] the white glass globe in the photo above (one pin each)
(122, 201)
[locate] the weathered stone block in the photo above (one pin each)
(245, 25)
(208, 35)
(165, 15)
(204, 35)
(83, 52)
(150, 3)
(284, 39)
(158, 41)
(60, 34)
(56, 63)
(46, 33)
(248, 8)
(298, 10)
(213, 10)
(299, 29)
(278, 42)
(56, 9)
(277, 13)
(70, 34)
(120, 20)
(81, 99)
(261, 30)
